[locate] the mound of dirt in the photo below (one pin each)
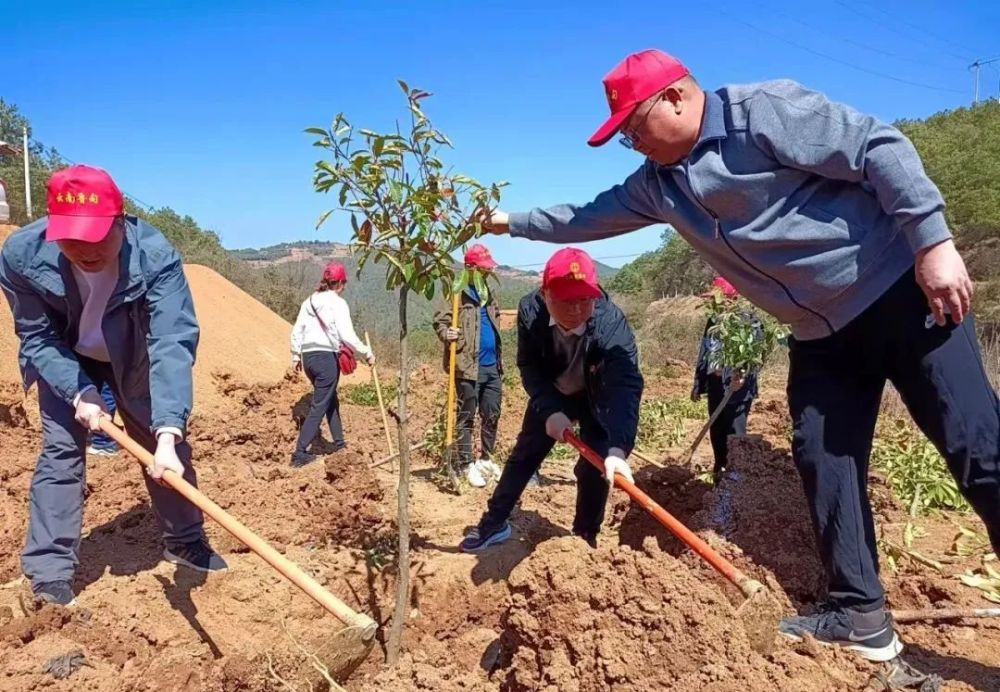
(618, 618)
(239, 334)
(337, 499)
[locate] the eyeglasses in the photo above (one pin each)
(630, 137)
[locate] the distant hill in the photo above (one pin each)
(324, 251)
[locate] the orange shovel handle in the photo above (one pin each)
(286, 567)
(727, 569)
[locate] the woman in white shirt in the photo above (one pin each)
(321, 329)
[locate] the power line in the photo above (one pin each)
(897, 20)
(835, 59)
(865, 46)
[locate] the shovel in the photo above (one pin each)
(689, 455)
(449, 450)
(759, 612)
(381, 403)
(351, 645)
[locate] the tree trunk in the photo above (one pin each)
(402, 610)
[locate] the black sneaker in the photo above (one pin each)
(870, 634)
(589, 536)
(196, 555)
(476, 541)
(300, 459)
(337, 446)
(55, 592)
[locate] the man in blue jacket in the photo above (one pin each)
(824, 217)
(100, 297)
(578, 362)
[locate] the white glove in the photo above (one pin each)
(371, 360)
(556, 425)
(166, 457)
(89, 409)
(615, 463)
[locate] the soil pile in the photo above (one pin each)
(618, 618)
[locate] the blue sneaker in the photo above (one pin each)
(475, 542)
(869, 634)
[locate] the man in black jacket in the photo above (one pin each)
(577, 358)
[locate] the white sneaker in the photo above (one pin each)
(474, 476)
(488, 467)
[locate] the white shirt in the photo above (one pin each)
(308, 335)
(95, 291)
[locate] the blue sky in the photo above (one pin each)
(201, 105)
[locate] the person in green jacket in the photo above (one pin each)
(478, 367)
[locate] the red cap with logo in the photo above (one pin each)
(570, 274)
(479, 256)
(83, 204)
(334, 271)
(631, 82)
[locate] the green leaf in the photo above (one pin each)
(461, 281)
(481, 288)
(344, 189)
(403, 85)
(323, 217)
(316, 131)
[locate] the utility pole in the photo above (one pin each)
(976, 66)
(27, 174)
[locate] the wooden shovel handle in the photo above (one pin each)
(452, 356)
(727, 569)
(285, 567)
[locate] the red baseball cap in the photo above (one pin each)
(721, 284)
(631, 82)
(335, 271)
(83, 204)
(570, 274)
(479, 256)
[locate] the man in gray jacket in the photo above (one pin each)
(100, 297)
(824, 217)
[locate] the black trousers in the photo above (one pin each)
(323, 370)
(834, 391)
(530, 450)
(485, 395)
(732, 420)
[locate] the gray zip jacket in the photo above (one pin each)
(810, 208)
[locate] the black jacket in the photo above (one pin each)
(611, 368)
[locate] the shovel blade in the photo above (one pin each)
(760, 614)
(345, 651)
